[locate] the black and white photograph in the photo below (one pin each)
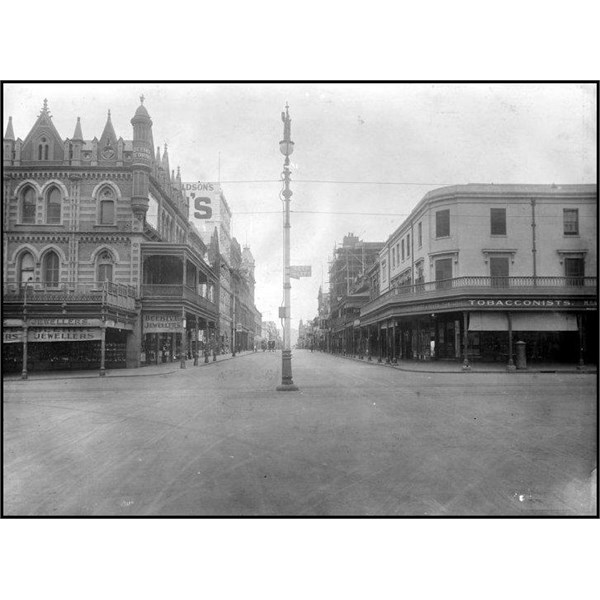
(299, 299)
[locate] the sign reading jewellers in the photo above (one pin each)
(63, 335)
(161, 322)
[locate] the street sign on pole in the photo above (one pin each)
(298, 271)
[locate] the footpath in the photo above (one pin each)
(147, 371)
(453, 366)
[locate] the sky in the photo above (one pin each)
(376, 149)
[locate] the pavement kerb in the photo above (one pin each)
(459, 371)
(139, 372)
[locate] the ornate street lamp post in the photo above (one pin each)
(287, 147)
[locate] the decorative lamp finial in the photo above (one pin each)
(142, 98)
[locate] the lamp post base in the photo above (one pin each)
(287, 383)
(287, 387)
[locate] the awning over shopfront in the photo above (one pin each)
(531, 321)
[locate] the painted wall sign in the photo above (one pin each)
(205, 199)
(161, 322)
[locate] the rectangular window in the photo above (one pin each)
(498, 221)
(442, 223)
(420, 233)
(574, 271)
(571, 221)
(408, 245)
(443, 273)
(499, 271)
(107, 212)
(402, 249)
(393, 257)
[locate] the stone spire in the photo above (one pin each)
(165, 160)
(77, 135)
(108, 137)
(158, 164)
(10, 134)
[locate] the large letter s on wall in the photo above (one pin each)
(205, 212)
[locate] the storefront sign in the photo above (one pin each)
(12, 336)
(161, 322)
(61, 322)
(63, 335)
(527, 303)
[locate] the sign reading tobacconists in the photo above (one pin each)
(529, 303)
(161, 322)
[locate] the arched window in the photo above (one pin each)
(53, 206)
(28, 205)
(107, 206)
(105, 266)
(26, 268)
(50, 269)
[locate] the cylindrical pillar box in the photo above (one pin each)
(521, 359)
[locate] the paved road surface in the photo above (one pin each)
(358, 439)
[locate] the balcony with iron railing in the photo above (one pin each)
(106, 293)
(176, 293)
(486, 286)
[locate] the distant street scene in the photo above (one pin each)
(356, 439)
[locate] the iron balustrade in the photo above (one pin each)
(174, 292)
(102, 292)
(478, 283)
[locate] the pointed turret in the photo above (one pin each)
(165, 160)
(77, 135)
(10, 134)
(9, 143)
(142, 162)
(108, 140)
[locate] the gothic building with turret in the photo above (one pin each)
(101, 267)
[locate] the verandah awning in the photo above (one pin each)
(534, 321)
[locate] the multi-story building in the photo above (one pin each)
(101, 267)
(476, 269)
(350, 262)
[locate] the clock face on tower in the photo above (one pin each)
(108, 153)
